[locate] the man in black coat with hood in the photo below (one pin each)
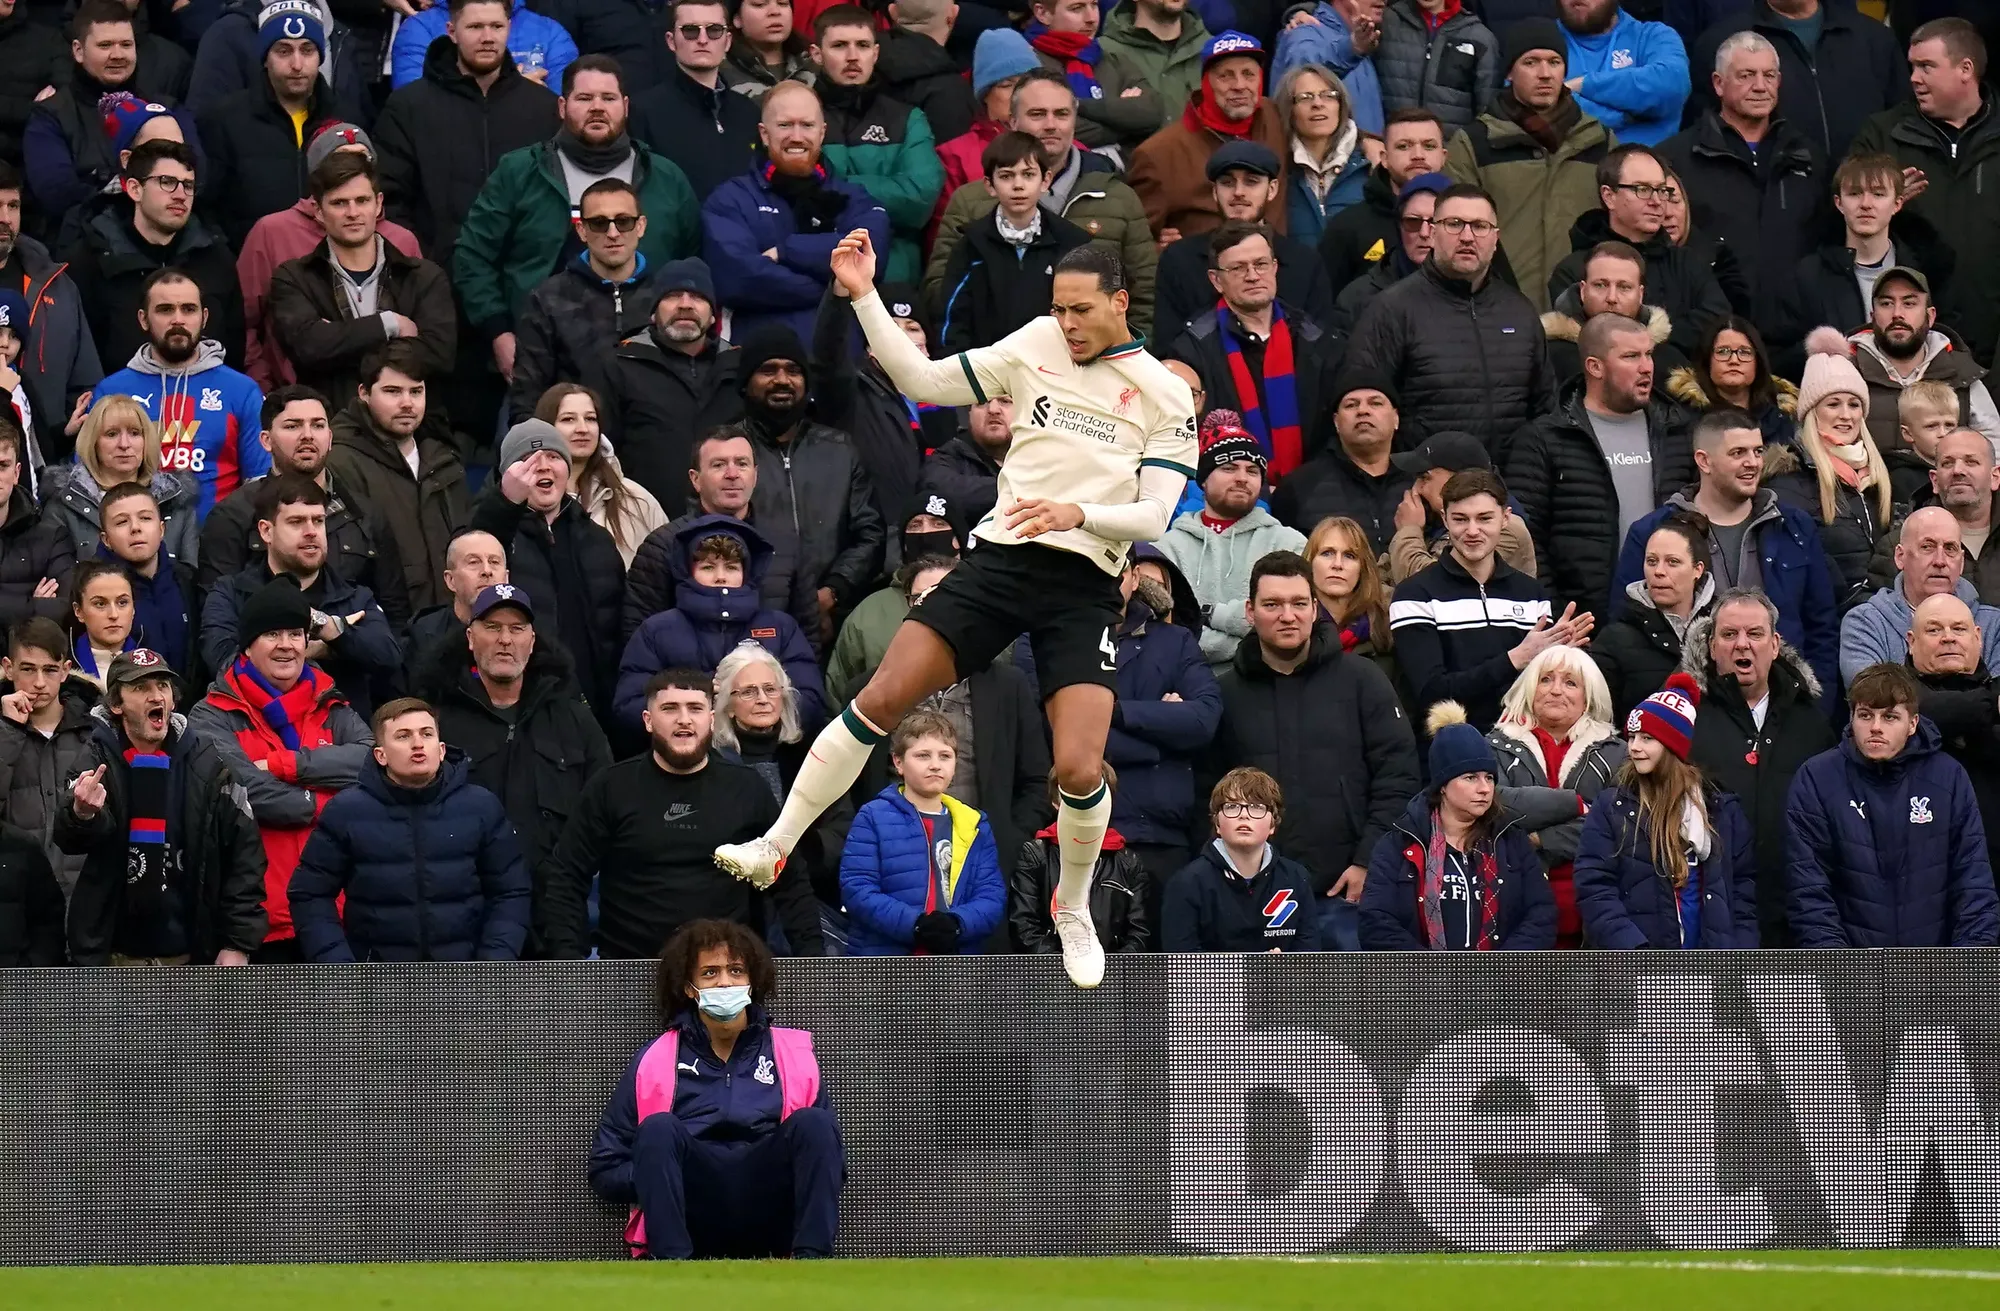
(439, 137)
(890, 432)
(915, 68)
(670, 383)
(1363, 235)
(1740, 663)
(1631, 181)
(1325, 724)
(513, 705)
(692, 117)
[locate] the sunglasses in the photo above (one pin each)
(602, 223)
(697, 31)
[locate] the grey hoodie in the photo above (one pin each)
(1878, 629)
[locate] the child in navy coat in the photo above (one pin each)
(921, 874)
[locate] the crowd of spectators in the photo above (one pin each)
(442, 491)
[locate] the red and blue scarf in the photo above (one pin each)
(1278, 431)
(1079, 54)
(283, 711)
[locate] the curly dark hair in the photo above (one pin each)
(684, 949)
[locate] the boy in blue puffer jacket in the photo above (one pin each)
(921, 874)
(718, 565)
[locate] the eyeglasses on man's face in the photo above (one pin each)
(1645, 191)
(1453, 227)
(172, 185)
(1257, 266)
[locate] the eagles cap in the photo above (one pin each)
(498, 595)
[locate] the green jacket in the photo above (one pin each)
(1539, 195)
(1099, 203)
(515, 232)
(863, 641)
(1172, 70)
(1117, 119)
(885, 147)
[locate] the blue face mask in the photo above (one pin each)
(724, 1003)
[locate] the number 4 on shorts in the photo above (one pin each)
(1110, 650)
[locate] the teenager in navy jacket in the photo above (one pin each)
(920, 873)
(1886, 847)
(1666, 859)
(1457, 872)
(721, 1115)
(718, 564)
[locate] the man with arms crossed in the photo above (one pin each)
(1095, 418)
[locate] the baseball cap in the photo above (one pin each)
(136, 666)
(1232, 42)
(1451, 451)
(497, 596)
(1912, 276)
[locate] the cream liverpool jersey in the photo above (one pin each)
(1089, 434)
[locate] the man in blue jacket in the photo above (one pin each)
(1886, 846)
(1628, 75)
(769, 234)
(539, 45)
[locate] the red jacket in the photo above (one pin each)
(287, 234)
(287, 787)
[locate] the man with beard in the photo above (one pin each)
(1760, 720)
(288, 736)
(333, 305)
(669, 382)
(208, 412)
(1244, 177)
(769, 233)
(1170, 171)
(813, 502)
(57, 376)
(414, 863)
(1629, 75)
(691, 116)
(256, 138)
(405, 474)
(152, 227)
(1217, 546)
(1535, 151)
(1464, 350)
(557, 553)
(1106, 423)
(1266, 358)
(521, 226)
(1930, 561)
(1962, 697)
(512, 704)
(647, 829)
(1902, 344)
(65, 149)
(296, 433)
(349, 637)
(1586, 473)
(873, 140)
(173, 871)
(966, 469)
(576, 314)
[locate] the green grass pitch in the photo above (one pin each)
(1758, 1281)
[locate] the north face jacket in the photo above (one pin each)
(1889, 853)
(1451, 70)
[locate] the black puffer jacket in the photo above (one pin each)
(256, 165)
(576, 578)
(1334, 736)
(1564, 489)
(538, 759)
(567, 330)
(814, 502)
(30, 51)
(1331, 484)
(1678, 280)
(219, 848)
(31, 548)
(1466, 360)
(1770, 205)
(1757, 764)
(1851, 538)
(657, 402)
(1451, 70)
(440, 136)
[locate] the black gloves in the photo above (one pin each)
(937, 933)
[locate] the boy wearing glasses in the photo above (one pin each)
(1239, 894)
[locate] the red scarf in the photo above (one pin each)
(1279, 429)
(1202, 113)
(1562, 879)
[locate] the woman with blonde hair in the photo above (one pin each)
(1352, 594)
(1666, 858)
(614, 503)
(1834, 471)
(1327, 163)
(1555, 732)
(120, 443)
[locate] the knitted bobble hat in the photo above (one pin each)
(1667, 716)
